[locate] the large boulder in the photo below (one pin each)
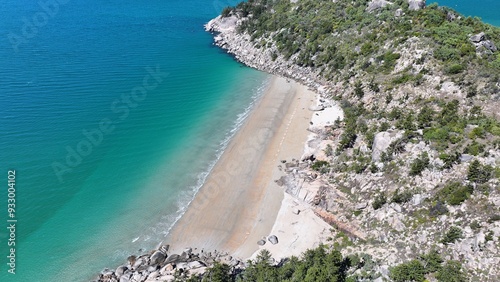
(157, 257)
(476, 38)
(174, 258)
(120, 270)
(489, 45)
(377, 4)
(273, 239)
(382, 141)
(415, 5)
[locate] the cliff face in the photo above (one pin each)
(414, 165)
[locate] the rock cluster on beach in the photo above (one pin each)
(159, 265)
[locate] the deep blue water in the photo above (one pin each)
(112, 113)
(487, 10)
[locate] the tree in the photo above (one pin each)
(410, 271)
(220, 272)
(478, 173)
(425, 117)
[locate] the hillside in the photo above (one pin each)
(411, 172)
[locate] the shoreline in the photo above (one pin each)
(239, 202)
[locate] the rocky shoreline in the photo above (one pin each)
(159, 265)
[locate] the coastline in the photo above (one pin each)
(240, 200)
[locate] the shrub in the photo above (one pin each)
(454, 69)
(401, 197)
(319, 165)
(358, 90)
(478, 173)
(379, 201)
(451, 272)
(455, 193)
(474, 149)
(453, 234)
(419, 164)
(438, 209)
(218, 272)
(436, 134)
(425, 117)
(449, 159)
(409, 271)
(226, 12)
(432, 261)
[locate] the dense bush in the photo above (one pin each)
(449, 160)
(309, 29)
(410, 271)
(379, 201)
(451, 272)
(319, 165)
(419, 164)
(479, 173)
(453, 234)
(455, 193)
(401, 197)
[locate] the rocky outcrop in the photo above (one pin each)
(415, 5)
(382, 141)
(159, 266)
(377, 4)
(479, 40)
(244, 50)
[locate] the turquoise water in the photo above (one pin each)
(487, 10)
(77, 69)
(60, 79)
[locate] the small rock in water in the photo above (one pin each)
(273, 239)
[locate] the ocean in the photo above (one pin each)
(487, 10)
(113, 112)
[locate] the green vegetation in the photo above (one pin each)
(379, 201)
(453, 234)
(401, 197)
(320, 166)
(419, 164)
(451, 272)
(455, 193)
(410, 271)
(479, 173)
(310, 30)
(320, 264)
(415, 270)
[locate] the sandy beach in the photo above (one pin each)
(240, 201)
